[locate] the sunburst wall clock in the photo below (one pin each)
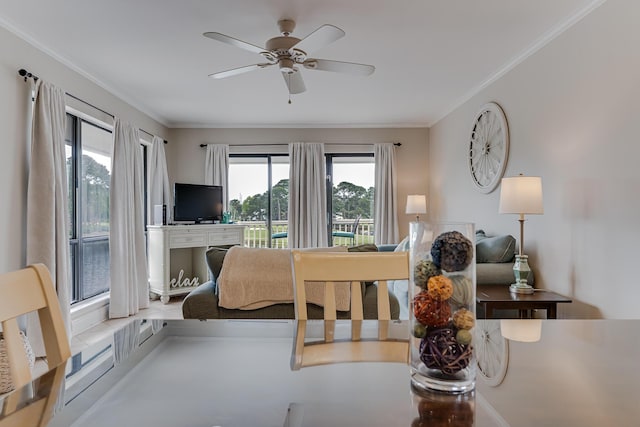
(488, 147)
(492, 352)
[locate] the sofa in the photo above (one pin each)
(204, 302)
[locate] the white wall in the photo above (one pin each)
(185, 158)
(573, 111)
(15, 54)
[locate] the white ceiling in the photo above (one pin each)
(430, 55)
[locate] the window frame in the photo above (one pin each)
(76, 238)
(329, 185)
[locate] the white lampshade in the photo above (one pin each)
(521, 195)
(416, 204)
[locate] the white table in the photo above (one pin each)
(236, 373)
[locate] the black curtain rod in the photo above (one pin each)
(26, 74)
(397, 144)
(91, 105)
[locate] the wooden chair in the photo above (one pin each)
(25, 291)
(38, 409)
(328, 268)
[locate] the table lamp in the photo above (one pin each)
(521, 195)
(416, 204)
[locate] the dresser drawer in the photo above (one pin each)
(187, 240)
(225, 237)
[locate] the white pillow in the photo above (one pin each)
(400, 288)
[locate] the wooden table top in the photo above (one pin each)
(500, 293)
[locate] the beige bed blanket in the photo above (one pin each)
(253, 278)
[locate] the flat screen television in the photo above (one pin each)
(197, 203)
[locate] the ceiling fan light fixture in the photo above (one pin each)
(286, 65)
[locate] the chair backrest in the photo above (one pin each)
(25, 291)
(354, 226)
(33, 407)
(329, 268)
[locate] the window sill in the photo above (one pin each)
(89, 313)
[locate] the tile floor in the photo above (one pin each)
(156, 310)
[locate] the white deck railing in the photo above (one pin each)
(256, 235)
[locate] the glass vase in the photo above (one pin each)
(443, 409)
(442, 306)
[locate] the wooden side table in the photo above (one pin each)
(492, 297)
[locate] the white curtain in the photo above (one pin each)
(216, 169)
(125, 341)
(386, 198)
(307, 196)
(159, 189)
(47, 201)
(128, 267)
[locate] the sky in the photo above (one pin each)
(250, 179)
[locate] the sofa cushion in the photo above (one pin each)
(494, 249)
(202, 303)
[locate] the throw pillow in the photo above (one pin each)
(400, 288)
(403, 246)
(495, 249)
(369, 247)
(215, 256)
(6, 383)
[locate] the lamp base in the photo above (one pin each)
(521, 288)
(521, 272)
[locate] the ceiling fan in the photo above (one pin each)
(289, 53)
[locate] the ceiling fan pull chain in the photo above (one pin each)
(289, 85)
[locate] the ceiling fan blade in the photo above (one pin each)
(239, 70)
(294, 82)
(234, 42)
(339, 67)
(319, 38)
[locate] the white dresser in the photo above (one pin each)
(177, 262)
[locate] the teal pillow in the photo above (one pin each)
(494, 249)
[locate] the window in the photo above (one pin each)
(350, 196)
(259, 197)
(88, 153)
